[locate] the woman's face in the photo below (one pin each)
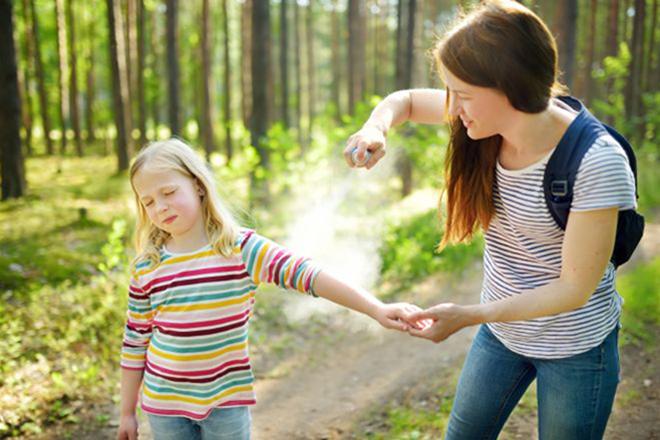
(482, 110)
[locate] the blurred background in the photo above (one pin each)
(269, 92)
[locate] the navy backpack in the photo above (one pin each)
(563, 166)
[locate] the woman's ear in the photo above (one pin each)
(199, 187)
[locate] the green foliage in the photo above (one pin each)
(409, 251)
(640, 290)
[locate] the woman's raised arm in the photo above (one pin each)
(424, 106)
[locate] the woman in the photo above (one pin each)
(548, 307)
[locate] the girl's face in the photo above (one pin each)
(482, 110)
(171, 199)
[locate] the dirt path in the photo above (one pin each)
(362, 371)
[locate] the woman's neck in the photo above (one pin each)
(532, 134)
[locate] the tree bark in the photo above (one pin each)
(207, 111)
(566, 30)
(227, 83)
(173, 68)
(336, 60)
(90, 79)
(591, 47)
(633, 91)
(311, 81)
(651, 57)
(284, 65)
(141, 58)
(260, 116)
(63, 72)
(298, 67)
(356, 68)
(73, 78)
(246, 62)
(11, 156)
(118, 89)
(25, 89)
(41, 81)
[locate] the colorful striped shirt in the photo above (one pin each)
(187, 323)
(524, 244)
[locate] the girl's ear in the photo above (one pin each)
(199, 187)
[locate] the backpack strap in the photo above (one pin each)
(562, 167)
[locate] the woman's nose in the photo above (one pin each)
(454, 107)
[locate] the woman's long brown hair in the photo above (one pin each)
(502, 45)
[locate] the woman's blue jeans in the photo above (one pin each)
(222, 424)
(575, 394)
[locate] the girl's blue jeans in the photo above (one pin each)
(222, 424)
(574, 394)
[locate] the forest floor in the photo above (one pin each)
(345, 381)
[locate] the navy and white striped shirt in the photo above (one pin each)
(523, 251)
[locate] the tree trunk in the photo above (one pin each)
(156, 66)
(298, 67)
(141, 58)
(336, 60)
(567, 12)
(404, 163)
(131, 64)
(11, 156)
(207, 110)
(227, 83)
(311, 82)
(63, 71)
(119, 91)
(41, 81)
(284, 65)
(173, 68)
(260, 116)
(25, 89)
(356, 68)
(591, 47)
(398, 56)
(246, 62)
(633, 92)
(90, 81)
(652, 57)
(613, 28)
(73, 78)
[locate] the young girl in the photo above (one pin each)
(548, 299)
(191, 296)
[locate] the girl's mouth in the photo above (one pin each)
(169, 220)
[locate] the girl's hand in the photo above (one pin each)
(128, 428)
(445, 320)
(397, 316)
(368, 138)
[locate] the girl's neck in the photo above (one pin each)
(191, 240)
(532, 134)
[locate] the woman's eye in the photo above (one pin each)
(168, 193)
(149, 203)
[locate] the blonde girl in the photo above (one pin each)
(191, 296)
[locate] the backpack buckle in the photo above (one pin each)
(559, 188)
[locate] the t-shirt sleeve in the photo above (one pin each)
(138, 328)
(604, 178)
(269, 262)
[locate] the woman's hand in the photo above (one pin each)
(128, 428)
(368, 138)
(445, 320)
(397, 316)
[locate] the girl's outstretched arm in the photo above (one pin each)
(392, 316)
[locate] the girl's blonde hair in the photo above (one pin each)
(175, 155)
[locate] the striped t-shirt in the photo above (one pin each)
(523, 251)
(187, 323)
